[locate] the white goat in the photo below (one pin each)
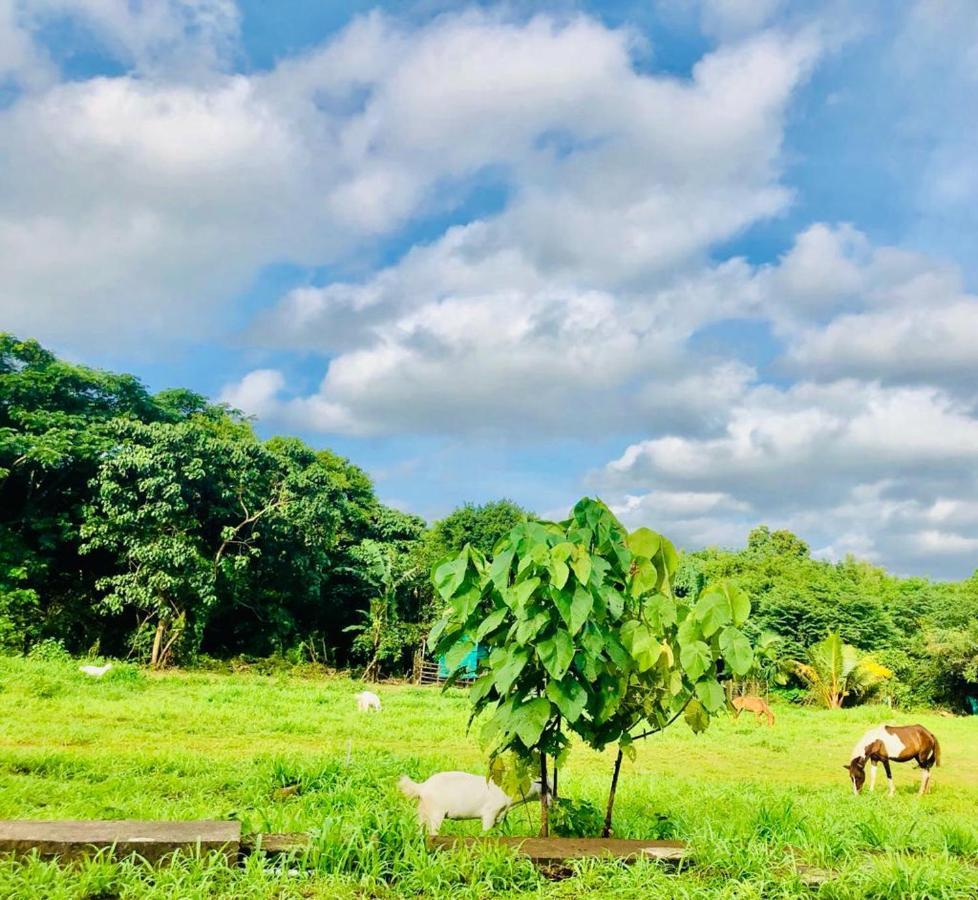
(367, 700)
(95, 671)
(460, 795)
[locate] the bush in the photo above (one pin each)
(19, 615)
(575, 818)
(49, 650)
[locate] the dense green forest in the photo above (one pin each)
(161, 527)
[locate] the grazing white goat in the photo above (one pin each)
(95, 671)
(460, 795)
(367, 700)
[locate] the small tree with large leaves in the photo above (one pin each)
(585, 636)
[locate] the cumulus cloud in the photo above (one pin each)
(845, 307)
(256, 394)
(162, 198)
(182, 37)
(864, 468)
(567, 312)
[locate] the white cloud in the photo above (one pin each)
(845, 307)
(947, 543)
(160, 198)
(887, 473)
(733, 17)
(21, 63)
(256, 394)
(931, 343)
(691, 519)
(182, 37)
(817, 434)
(567, 312)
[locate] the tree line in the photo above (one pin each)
(160, 526)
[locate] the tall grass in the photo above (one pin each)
(283, 753)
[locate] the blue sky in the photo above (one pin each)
(710, 259)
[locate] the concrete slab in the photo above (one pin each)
(151, 840)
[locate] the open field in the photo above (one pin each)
(191, 745)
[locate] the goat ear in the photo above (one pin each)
(846, 768)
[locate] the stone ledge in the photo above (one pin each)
(122, 837)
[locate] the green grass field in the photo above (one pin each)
(194, 745)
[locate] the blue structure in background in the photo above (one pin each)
(469, 663)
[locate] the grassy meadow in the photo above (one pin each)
(197, 745)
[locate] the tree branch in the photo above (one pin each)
(652, 731)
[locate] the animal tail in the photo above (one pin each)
(408, 787)
(937, 752)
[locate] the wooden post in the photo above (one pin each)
(606, 831)
(544, 798)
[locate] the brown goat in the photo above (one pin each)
(756, 705)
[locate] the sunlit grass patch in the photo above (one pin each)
(292, 754)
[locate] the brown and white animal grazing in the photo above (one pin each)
(756, 705)
(95, 671)
(460, 795)
(368, 700)
(893, 743)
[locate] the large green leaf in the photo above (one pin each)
(491, 622)
(689, 631)
(696, 717)
(660, 611)
(500, 569)
(509, 671)
(736, 649)
(480, 687)
(563, 600)
(458, 652)
(568, 696)
(581, 564)
(593, 639)
(466, 603)
(600, 567)
(529, 628)
(695, 659)
(712, 611)
(668, 554)
(436, 632)
(518, 594)
(529, 720)
(619, 655)
(614, 602)
(641, 644)
(580, 609)
(739, 604)
(448, 576)
(559, 573)
(644, 542)
(711, 694)
(562, 551)
(556, 653)
(645, 577)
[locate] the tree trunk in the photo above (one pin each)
(606, 831)
(154, 659)
(372, 671)
(544, 798)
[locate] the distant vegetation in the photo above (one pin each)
(159, 526)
